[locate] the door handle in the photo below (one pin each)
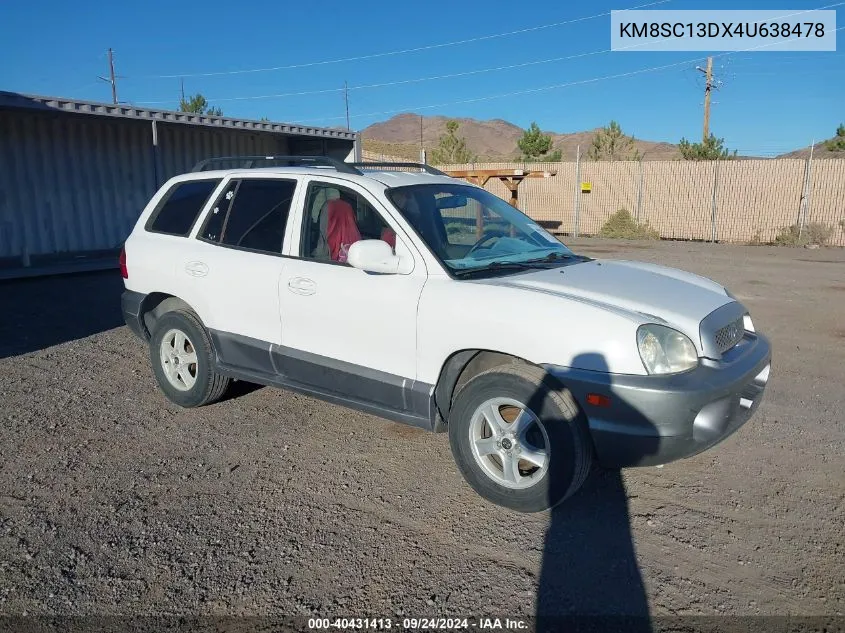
(302, 286)
(196, 269)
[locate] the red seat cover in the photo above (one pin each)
(342, 231)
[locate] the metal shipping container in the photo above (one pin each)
(75, 175)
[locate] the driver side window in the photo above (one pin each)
(335, 218)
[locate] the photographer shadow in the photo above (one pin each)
(590, 579)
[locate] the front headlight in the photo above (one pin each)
(664, 350)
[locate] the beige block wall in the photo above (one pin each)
(754, 199)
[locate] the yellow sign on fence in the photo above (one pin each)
(586, 187)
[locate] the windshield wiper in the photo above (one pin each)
(553, 257)
(493, 266)
(528, 264)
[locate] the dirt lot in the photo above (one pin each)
(113, 501)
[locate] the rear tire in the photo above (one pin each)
(520, 440)
(181, 355)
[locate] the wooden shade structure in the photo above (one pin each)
(511, 178)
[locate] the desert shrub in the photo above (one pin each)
(622, 225)
(457, 227)
(813, 233)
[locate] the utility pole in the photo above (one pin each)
(346, 99)
(111, 79)
(805, 194)
(708, 88)
(422, 147)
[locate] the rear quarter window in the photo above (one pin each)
(177, 212)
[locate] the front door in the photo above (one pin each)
(346, 331)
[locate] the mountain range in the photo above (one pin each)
(496, 139)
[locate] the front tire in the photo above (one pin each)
(181, 355)
(519, 439)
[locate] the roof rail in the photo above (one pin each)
(250, 162)
(426, 168)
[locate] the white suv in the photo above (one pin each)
(416, 297)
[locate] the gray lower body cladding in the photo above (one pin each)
(650, 420)
(658, 419)
(379, 393)
(131, 303)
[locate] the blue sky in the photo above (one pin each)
(769, 102)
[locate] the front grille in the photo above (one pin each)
(729, 335)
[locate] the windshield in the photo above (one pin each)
(469, 228)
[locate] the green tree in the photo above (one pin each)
(536, 146)
(837, 143)
(711, 149)
(197, 104)
(611, 143)
(451, 147)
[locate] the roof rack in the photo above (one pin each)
(250, 162)
(426, 168)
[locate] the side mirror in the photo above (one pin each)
(373, 256)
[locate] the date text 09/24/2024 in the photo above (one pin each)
(417, 624)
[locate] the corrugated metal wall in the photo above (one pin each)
(182, 146)
(63, 187)
(74, 183)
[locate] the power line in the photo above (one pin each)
(437, 46)
(553, 86)
(81, 88)
(437, 77)
(404, 51)
(400, 82)
(517, 92)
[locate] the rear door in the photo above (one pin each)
(234, 266)
(154, 251)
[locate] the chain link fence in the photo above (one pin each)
(786, 201)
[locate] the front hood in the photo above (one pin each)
(646, 292)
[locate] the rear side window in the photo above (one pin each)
(180, 207)
(251, 214)
(219, 212)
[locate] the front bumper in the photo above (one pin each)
(658, 419)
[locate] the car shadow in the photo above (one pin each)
(45, 311)
(590, 579)
(239, 389)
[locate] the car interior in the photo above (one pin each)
(448, 222)
(336, 216)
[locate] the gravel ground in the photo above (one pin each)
(114, 501)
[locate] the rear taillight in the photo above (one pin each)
(124, 272)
